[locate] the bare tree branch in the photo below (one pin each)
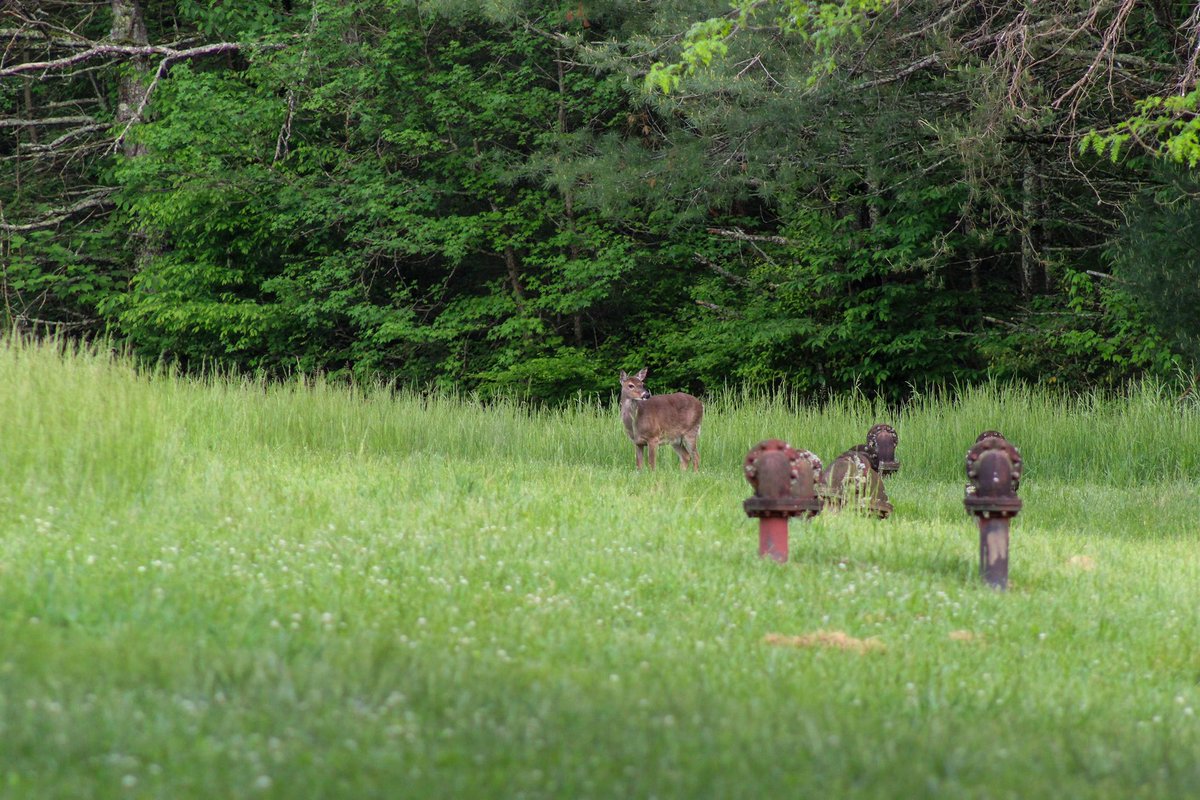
(724, 273)
(14, 35)
(730, 276)
(12, 122)
(52, 219)
(122, 52)
(1105, 276)
(919, 64)
(721, 311)
(1106, 52)
(70, 135)
(741, 235)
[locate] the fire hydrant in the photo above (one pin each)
(785, 483)
(883, 440)
(853, 480)
(994, 475)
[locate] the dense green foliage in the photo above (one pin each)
(236, 589)
(488, 198)
(1157, 255)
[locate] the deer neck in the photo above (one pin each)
(631, 408)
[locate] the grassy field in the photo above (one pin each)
(224, 590)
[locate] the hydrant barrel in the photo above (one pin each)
(773, 538)
(993, 474)
(993, 551)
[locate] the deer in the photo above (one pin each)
(651, 420)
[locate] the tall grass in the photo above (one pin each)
(66, 406)
(229, 588)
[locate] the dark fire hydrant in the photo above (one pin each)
(993, 475)
(785, 483)
(853, 480)
(883, 440)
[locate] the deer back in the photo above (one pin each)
(668, 416)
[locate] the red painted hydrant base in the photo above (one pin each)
(773, 538)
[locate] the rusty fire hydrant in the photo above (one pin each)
(853, 480)
(994, 475)
(883, 439)
(785, 482)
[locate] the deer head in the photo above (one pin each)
(633, 387)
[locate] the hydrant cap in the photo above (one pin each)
(882, 440)
(783, 479)
(882, 431)
(994, 471)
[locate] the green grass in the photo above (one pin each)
(225, 589)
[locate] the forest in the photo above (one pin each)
(521, 197)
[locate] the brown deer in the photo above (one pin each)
(652, 420)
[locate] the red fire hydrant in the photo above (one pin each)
(994, 475)
(785, 485)
(883, 440)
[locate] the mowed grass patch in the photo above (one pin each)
(226, 589)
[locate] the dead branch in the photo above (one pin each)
(920, 64)
(1107, 51)
(741, 235)
(41, 37)
(1106, 276)
(119, 52)
(70, 135)
(13, 122)
(56, 216)
(285, 132)
(730, 276)
(721, 311)
(1012, 326)
(1192, 29)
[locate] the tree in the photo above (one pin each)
(76, 81)
(409, 213)
(978, 109)
(485, 197)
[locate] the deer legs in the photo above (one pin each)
(685, 447)
(689, 454)
(646, 453)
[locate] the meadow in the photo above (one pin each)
(230, 589)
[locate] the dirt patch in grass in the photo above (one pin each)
(835, 640)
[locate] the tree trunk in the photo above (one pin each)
(973, 257)
(1029, 239)
(129, 28)
(568, 193)
(514, 277)
(874, 193)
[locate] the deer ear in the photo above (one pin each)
(624, 376)
(641, 376)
